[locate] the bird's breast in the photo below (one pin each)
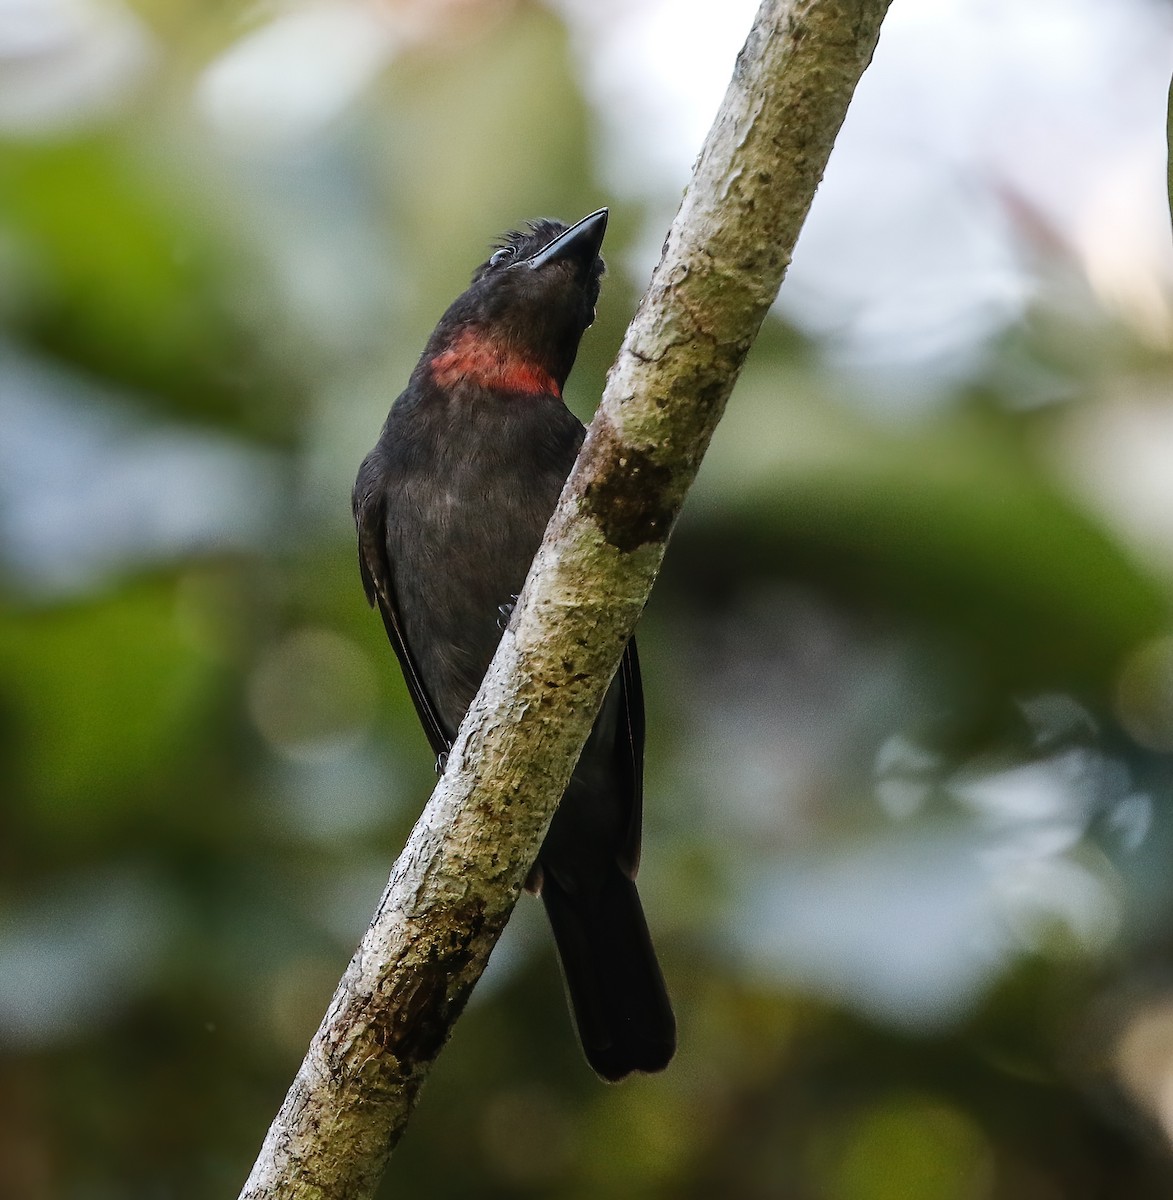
(466, 511)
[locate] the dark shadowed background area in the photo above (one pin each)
(909, 666)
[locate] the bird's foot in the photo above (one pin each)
(505, 611)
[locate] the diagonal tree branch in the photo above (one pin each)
(456, 882)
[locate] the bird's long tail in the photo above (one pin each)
(620, 1003)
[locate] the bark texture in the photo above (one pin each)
(456, 882)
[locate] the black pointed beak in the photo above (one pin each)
(580, 244)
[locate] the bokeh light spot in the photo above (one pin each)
(911, 1148)
(312, 695)
(1144, 694)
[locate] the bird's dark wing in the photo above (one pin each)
(629, 755)
(378, 580)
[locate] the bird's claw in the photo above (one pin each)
(505, 611)
(441, 762)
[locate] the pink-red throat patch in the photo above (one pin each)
(476, 357)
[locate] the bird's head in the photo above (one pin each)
(518, 325)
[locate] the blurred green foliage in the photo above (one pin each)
(868, 629)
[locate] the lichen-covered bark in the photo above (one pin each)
(456, 881)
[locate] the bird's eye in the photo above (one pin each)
(501, 256)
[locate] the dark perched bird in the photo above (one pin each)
(451, 505)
